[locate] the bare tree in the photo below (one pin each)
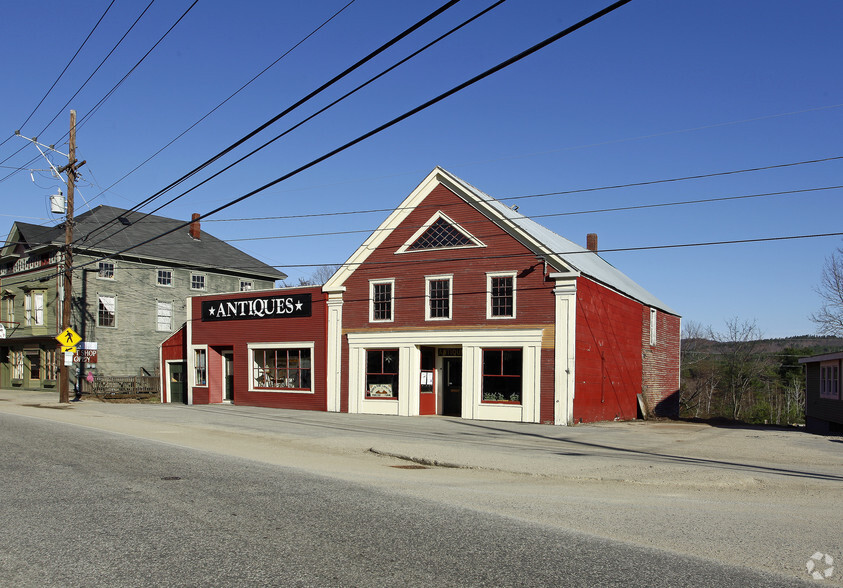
(743, 363)
(320, 275)
(829, 318)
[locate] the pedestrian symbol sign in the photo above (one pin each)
(68, 338)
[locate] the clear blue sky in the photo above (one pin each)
(655, 90)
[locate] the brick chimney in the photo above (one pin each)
(194, 226)
(591, 241)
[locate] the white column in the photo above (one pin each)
(333, 369)
(565, 293)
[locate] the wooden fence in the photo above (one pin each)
(122, 386)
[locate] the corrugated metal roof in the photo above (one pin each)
(579, 258)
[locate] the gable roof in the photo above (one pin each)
(176, 247)
(561, 253)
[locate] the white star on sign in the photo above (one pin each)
(298, 305)
(211, 311)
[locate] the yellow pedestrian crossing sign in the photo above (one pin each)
(68, 338)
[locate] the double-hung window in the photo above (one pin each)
(38, 308)
(200, 367)
(197, 282)
(165, 277)
(500, 295)
(246, 285)
(106, 311)
(164, 316)
(830, 380)
(381, 300)
(106, 270)
(438, 297)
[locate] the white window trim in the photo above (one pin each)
(157, 316)
(172, 277)
(427, 281)
(405, 248)
(204, 282)
(372, 284)
(38, 309)
(285, 345)
(191, 366)
(653, 323)
(113, 271)
(509, 274)
(114, 298)
(251, 284)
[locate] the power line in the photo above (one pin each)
(330, 105)
(68, 65)
(134, 67)
(87, 80)
(289, 109)
(215, 108)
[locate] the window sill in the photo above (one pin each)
(17, 383)
(506, 402)
(282, 390)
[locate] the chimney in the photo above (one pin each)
(194, 226)
(591, 241)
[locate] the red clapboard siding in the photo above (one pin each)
(608, 354)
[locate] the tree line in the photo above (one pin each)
(737, 375)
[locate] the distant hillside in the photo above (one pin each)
(805, 344)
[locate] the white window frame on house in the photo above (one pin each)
(200, 368)
(9, 312)
(654, 315)
(372, 285)
(16, 361)
(830, 380)
(287, 345)
(38, 308)
(105, 270)
(27, 309)
(194, 278)
(429, 300)
(100, 300)
(247, 285)
(489, 299)
(164, 310)
(164, 278)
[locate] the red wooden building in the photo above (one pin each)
(456, 305)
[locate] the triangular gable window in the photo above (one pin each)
(440, 232)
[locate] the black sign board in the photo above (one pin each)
(260, 307)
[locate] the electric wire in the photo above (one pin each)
(289, 109)
(502, 65)
(330, 105)
(215, 108)
(113, 49)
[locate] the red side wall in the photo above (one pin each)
(534, 297)
(608, 354)
(237, 334)
(661, 364)
(172, 349)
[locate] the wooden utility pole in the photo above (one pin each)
(64, 379)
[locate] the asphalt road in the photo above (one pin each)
(84, 507)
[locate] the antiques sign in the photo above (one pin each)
(234, 309)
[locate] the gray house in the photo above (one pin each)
(823, 400)
(127, 304)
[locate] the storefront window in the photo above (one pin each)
(382, 373)
(51, 366)
(502, 375)
(281, 368)
(17, 365)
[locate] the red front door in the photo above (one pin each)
(427, 383)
